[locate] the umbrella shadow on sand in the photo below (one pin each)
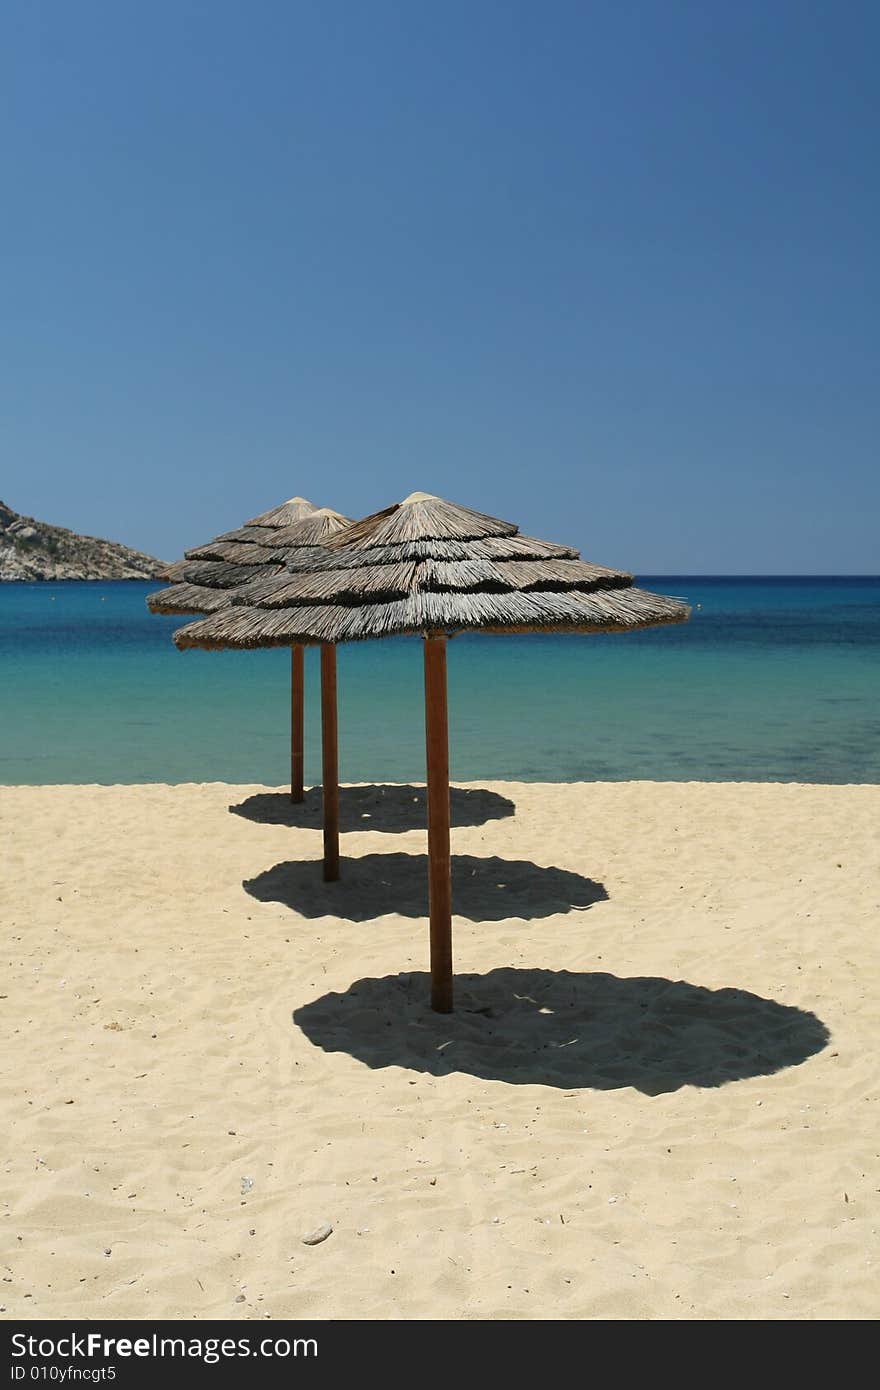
(389, 807)
(565, 1029)
(375, 885)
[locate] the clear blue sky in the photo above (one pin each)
(607, 268)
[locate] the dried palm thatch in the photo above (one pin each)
(271, 544)
(422, 566)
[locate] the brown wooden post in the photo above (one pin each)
(439, 871)
(296, 723)
(330, 760)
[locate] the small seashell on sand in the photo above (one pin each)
(319, 1234)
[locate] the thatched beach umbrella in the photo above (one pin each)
(429, 567)
(206, 581)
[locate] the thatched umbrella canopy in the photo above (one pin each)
(207, 581)
(203, 582)
(426, 566)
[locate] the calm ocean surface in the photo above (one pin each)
(772, 680)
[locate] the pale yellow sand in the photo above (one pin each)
(602, 1143)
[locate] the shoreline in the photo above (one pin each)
(280, 789)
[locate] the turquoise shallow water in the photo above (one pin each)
(772, 680)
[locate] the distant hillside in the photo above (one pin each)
(32, 549)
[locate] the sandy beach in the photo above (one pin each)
(658, 1097)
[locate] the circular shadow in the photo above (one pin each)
(558, 1028)
(377, 885)
(391, 807)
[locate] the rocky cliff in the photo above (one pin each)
(32, 549)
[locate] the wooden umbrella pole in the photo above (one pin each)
(296, 723)
(330, 761)
(439, 871)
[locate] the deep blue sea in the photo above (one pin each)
(771, 680)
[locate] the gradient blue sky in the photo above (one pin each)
(609, 270)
